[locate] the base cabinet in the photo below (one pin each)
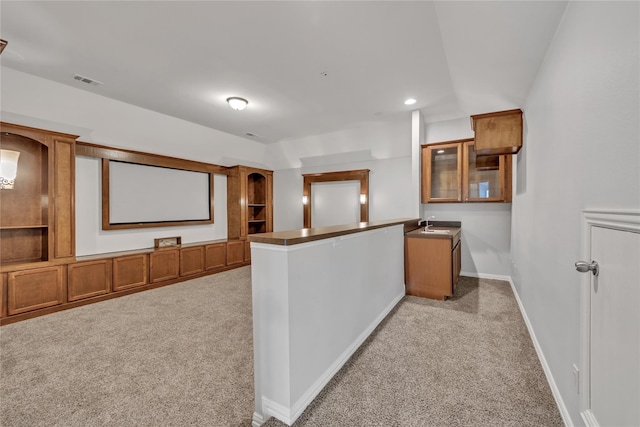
(191, 260)
(89, 279)
(432, 264)
(215, 256)
(164, 265)
(34, 289)
(46, 289)
(235, 252)
(130, 271)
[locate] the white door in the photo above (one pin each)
(613, 368)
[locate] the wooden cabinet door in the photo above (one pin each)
(428, 267)
(235, 252)
(88, 279)
(442, 172)
(164, 265)
(191, 260)
(130, 271)
(33, 289)
(215, 256)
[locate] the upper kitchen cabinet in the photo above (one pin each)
(37, 219)
(498, 133)
(249, 201)
(452, 173)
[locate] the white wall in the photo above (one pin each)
(581, 150)
(486, 227)
(32, 101)
(385, 149)
(91, 239)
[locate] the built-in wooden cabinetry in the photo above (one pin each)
(89, 279)
(31, 292)
(432, 263)
(453, 173)
(498, 133)
(37, 215)
(249, 208)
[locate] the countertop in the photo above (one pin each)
(454, 232)
(295, 237)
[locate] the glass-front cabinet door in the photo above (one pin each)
(442, 173)
(453, 173)
(484, 178)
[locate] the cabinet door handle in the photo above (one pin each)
(584, 267)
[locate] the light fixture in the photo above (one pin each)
(237, 103)
(305, 200)
(410, 101)
(8, 168)
(440, 151)
(363, 199)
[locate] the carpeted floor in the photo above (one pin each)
(182, 355)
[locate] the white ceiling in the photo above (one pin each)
(185, 58)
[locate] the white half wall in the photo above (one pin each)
(581, 151)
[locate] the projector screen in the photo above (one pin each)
(150, 196)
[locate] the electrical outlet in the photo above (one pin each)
(576, 378)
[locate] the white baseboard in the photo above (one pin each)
(257, 420)
(486, 276)
(564, 413)
(290, 415)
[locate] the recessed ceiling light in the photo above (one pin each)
(410, 101)
(237, 103)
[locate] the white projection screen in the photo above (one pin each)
(151, 196)
(335, 203)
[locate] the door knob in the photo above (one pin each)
(583, 267)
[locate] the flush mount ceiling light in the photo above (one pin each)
(409, 101)
(237, 103)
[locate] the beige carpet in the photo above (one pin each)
(181, 356)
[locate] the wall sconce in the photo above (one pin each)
(363, 199)
(305, 200)
(8, 168)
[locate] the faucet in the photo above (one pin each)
(426, 228)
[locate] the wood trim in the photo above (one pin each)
(64, 185)
(131, 156)
(3, 295)
(426, 169)
(361, 175)
(106, 219)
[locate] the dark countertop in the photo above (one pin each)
(295, 237)
(454, 232)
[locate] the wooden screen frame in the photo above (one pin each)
(361, 175)
(146, 159)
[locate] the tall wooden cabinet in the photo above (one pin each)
(37, 216)
(249, 203)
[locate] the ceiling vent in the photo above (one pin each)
(87, 80)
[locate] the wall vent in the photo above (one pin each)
(87, 80)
